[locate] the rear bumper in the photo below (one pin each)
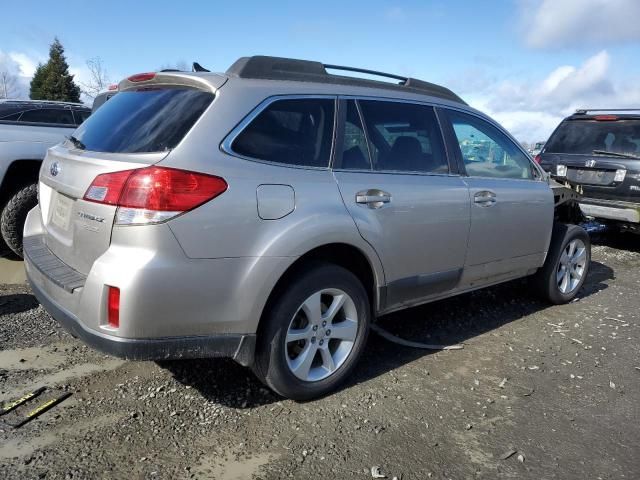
(611, 210)
(238, 347)
(171, 306)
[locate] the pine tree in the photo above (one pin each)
(52, 81)
(36, 83)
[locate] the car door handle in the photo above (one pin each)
(485, 198)
(373, 198)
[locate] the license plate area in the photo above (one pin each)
(61, 212)
(590, 177)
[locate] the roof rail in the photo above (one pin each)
(585, 110)
(278, 68)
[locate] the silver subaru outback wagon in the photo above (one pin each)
(271, 213)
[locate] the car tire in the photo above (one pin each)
(567, 265)
(4, 248)
(14, 215)
(301, 332)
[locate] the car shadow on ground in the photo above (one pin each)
(17, 303)
(617, 240)
(445, 322)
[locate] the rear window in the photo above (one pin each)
(585, 136)
(143, 121)
(296, 132)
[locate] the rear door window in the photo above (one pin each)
(58, 116)
(291, 131)
(404, 137)
(143, 121)
(585, 136)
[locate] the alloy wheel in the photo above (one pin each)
(572, 266)
(321, 334)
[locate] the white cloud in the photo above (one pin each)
(566, 23)
(531, 110)
(20, 67)
(26, 64)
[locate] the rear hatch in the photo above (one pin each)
(135, 129)
(601, 153)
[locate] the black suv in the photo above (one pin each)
(598, 151)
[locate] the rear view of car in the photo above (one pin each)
(599, 152)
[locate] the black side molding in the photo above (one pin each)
(414, 288)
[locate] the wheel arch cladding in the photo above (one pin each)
(344, 255)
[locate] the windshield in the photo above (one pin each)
(143, 121)
(585, 136)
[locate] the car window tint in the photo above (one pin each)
(404, 137)
(48, 115)
(294, 131)
(487, 152)
(355, 153)
(143, 121)
(81, 115)
(10, 111)
(11, 117)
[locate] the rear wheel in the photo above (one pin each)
(567, 264)
(314, 333)
(14, 215)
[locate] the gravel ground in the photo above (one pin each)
(558, 388)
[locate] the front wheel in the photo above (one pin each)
(314, 333)
(567, 264)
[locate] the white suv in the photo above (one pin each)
(27, 129)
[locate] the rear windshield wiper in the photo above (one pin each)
(76, 143)
(615, 154)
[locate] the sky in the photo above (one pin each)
(527, 63)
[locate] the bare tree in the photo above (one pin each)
(98, 78)
(8, 85)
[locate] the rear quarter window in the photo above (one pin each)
(291, 131)
(143, 121)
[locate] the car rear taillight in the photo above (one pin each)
(113, 307)
(153, 194)
(537, 159)
(606, 118)
(142, 77)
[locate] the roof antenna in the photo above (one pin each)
(199, 68)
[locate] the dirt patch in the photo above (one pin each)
(559, 385)
(12, 271)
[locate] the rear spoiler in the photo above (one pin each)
(209, 83)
